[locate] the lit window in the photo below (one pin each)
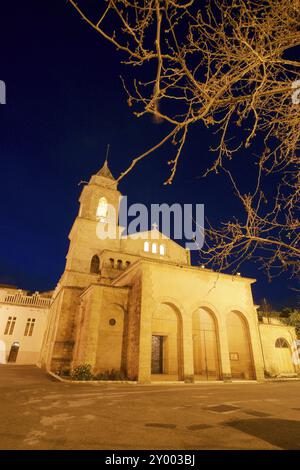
(162, 250)
(102, 209)
(29, 327)
(10, 325)
(154, 248)
(146, 246)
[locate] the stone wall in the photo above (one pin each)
(186, 289)
(58, 353)
(276, 360)
(21, 306)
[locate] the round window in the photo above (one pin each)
(112, 322)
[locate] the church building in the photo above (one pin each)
(137, 305)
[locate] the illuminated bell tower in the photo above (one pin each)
(99, 207)
(97, 198)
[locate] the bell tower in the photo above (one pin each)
(98, 212)
(99, 204)
(101, 190)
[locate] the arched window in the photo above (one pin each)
(127, 264)
(95, 265)
(162, 250)
(154, 248)
(281, 343)
(112, 262)
(102, 209)
(119, 264)
(146, 246)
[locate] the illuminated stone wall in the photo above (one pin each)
(278, 360)
(19, 305)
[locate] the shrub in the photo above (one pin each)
(110, 375)
(117, 375)
(102, 376)
(82, 372)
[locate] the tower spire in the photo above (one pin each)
(105, 171)
(107, 152)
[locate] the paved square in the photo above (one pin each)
(39, 413)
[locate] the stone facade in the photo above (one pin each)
(23, 319)
(276, 340)
(136, 305)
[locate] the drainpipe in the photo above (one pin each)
(261, 345)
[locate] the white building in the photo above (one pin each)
(23, 319)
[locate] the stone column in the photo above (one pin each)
(144, 375)
(224, 351)
(256, 347)
(89, 341)
(146, 310)
(188, 353)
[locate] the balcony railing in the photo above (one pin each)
(34, 300)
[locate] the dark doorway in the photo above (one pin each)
(157, 355)
(13, 352)
(95, 265)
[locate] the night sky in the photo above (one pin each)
(65, 102)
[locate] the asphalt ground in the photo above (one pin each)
(37, 412)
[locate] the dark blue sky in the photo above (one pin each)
(65, 102)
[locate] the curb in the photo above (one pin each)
(134, 382)
(283, 379)
(91, 382)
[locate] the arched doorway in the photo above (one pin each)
(205, 346)
(14, 350)
(284, 356)
(239, 346)
(2, 353)
(166, 343)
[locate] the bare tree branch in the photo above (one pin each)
(227, 64)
